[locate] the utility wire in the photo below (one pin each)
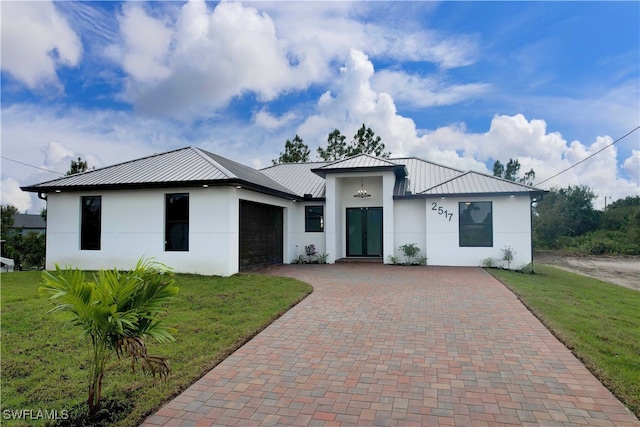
(589, 156)
(31, 166)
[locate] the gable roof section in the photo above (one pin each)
(475, 183)
(422, 175)
(246, 174)
(360, 163)
(298, 178)
(188, 166)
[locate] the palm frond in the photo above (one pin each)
(158, 365)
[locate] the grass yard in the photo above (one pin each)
(598, 321)
(44, 362)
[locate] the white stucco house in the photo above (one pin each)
(202, 213)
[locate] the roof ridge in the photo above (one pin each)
(444, 182)
(428, 161)
(291, 164)
(207, 157)
(484, 175)
(345, 159)
(505, 180)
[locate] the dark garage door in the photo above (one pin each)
(261, 235)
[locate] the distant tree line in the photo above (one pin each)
(28, 251)
(565, 219)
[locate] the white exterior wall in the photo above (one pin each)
(410, 226)
(133, 226)
(298, 238)
(511, 227)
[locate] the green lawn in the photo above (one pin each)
(598, 321)
(44, 362)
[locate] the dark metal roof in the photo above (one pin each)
(360, 163)
(471, 183)
(185, 166)
(422, 175)
(31, 221)
(247, 174)
(298, 178)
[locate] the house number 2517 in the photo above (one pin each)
(441, 211)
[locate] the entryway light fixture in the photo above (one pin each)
(362, 193)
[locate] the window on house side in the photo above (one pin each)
(314, 219)
(476, 224)
(91, 223)
(176, 213)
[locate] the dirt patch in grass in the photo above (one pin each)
(621, 271)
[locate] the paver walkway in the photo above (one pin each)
(384, 345)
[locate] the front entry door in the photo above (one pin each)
(364, 232)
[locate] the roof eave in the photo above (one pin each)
(458, 195)
(173, 184)
(360, 169)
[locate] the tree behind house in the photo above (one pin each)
(564, 212)
(77, 166)
(295, 151)
(336, 147)
(511, 171)
(364, 141)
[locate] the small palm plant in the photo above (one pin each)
(116, 311)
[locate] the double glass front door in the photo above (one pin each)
(364, 232)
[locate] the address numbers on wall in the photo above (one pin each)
(441, 211)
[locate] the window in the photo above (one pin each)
(314, 218)
(176, 235)
(90, 223)
(476, 224)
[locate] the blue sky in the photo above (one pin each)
(457, 83)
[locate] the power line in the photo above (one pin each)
(32, 166)
(590, 156)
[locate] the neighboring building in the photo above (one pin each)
(28, 223)
(202, 213)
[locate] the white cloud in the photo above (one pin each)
(632, 166)
(321, 32)
(146, 42)
(547, 153)
(192, 63)
(36, 39)
(56, 155)
(420, 91)
(266, 120)
(354, 102)
(196, 64)
(13, 195)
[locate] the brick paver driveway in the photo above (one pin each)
(383, 345)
